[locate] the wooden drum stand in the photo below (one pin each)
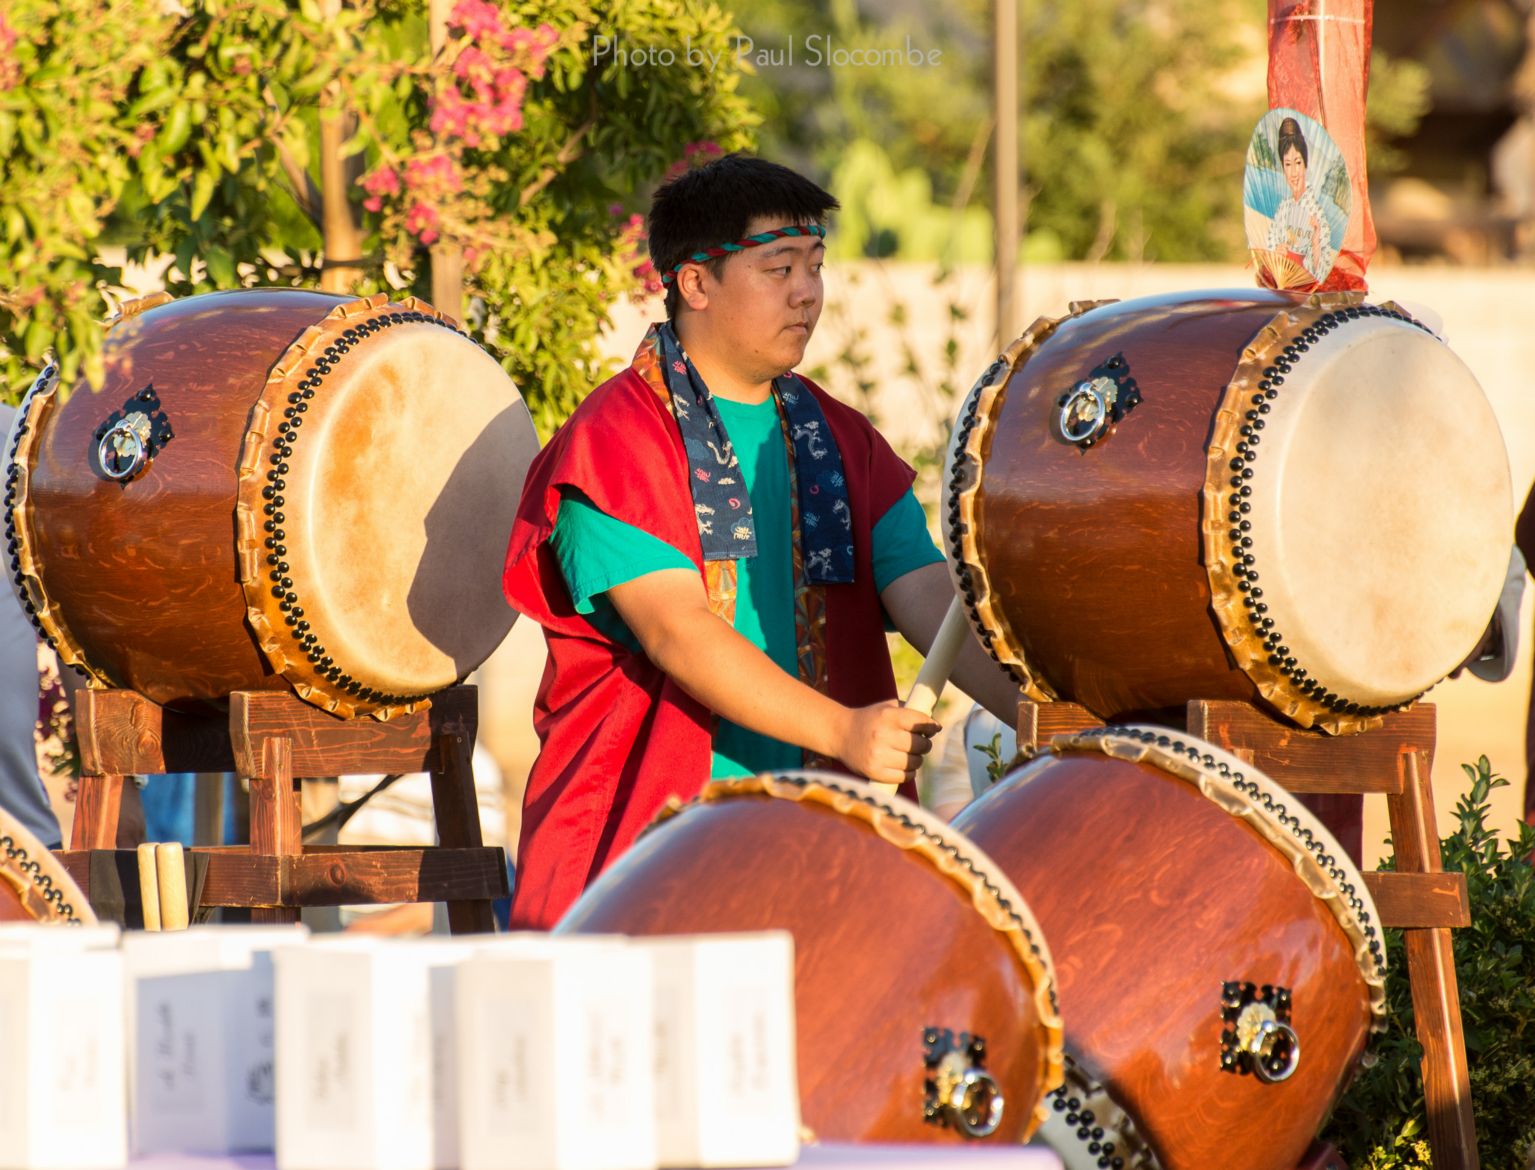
(1420, 898)
(272, 738)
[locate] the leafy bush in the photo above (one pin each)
(1380, 1123)
(1136, 116)
(143, 130)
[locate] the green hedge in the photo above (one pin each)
(1381, 1123)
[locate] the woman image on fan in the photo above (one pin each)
(1299, 227)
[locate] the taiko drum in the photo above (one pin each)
(1245, 495)
(1219, 959)
(273, 488)
(34, 887)
(923, 989)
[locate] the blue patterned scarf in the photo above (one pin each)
(725, 525)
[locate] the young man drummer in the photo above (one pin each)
(713, 545)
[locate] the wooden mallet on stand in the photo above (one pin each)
(937, 667)
(163, 885)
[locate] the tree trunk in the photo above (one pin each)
(447, 258)
(337, 175)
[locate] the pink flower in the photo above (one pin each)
(650, 280)
(734, 503)
(631, 245)
(10, 69)
(383, 181)
(494, 111)
(694, 154)
(435, 172)
(421, 221)
(142, 133)
(471, 62)
(483, 101)
(534, 44)
(378, 183)
(476, 18)
(679, 367)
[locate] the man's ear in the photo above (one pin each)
(690, 287)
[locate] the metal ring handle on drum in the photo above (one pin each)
(974, 1088)
(1269, 1032)
(1083, 413)
(124, 450)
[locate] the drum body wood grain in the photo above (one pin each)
(1242, 495)
(901, 930)
(273, 488)
(1177, 886)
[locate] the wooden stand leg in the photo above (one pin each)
(96, 811)
(318, 798)
(1431, 971)
(208, 808)
(276, 829)
(456, 809)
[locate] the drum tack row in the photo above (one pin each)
(1303, 504)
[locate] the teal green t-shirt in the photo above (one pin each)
(597, 552)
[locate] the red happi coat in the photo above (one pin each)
(618, 736)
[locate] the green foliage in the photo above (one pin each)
(1336, 186)
(888, 213)
(1135, 118)
(196, 136)
(66, 156)
(1379, 1125)
(997, 766)
(932, 378)
(1132, 145)
(1399, 97)
(1263, 153)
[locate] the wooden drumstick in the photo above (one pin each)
(149, 886)
(173, 885)
(937, 667)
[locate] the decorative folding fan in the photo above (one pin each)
(1280, 269)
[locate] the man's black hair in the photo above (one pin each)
(712, 205)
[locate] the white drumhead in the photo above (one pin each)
(399, 505)
(1382, 511)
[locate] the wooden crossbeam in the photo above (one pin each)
(272, 738)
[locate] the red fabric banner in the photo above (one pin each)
(1319, 67)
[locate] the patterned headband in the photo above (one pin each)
(755, 241)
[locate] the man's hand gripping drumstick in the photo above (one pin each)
(937, 666)
(915, 603)
(668, 611)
